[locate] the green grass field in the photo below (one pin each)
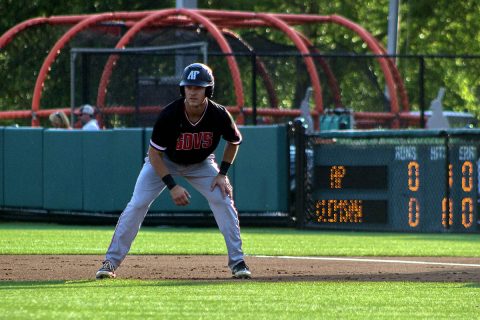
(90, 299)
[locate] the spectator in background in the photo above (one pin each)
(59, 120)
(87, 117)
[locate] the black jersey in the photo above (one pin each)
(185, 142)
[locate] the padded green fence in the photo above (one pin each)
(23, 167)
(261, 170)
(63, 170)
(111, 162)
(88, 171)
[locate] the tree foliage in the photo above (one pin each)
(425, 27)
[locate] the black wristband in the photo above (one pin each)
(224, 168)
(169, 182)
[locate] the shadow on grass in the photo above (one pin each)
(132, 283)
(112, 283)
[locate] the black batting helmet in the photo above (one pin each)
(200, 75)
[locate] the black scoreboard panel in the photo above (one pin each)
(398, 186)
(351, 211)
(358, 177)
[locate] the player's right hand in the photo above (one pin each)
(180, 196)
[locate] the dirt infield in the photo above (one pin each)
(81, 267)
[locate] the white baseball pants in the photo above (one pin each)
(149, 186)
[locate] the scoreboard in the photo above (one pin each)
(394, 183)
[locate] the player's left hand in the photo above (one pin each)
(223, 184)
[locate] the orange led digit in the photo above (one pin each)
(413, 212)
(413, 176)
(467, 176)
(447, 213)
(467, 214)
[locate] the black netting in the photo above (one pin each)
(276, 76)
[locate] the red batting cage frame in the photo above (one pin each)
(219, 24)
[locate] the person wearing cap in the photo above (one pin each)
(87, 117)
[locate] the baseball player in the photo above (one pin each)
(184, 137)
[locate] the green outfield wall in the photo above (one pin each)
(95, 172)
(23, 167)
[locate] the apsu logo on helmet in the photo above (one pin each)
(193, 75)
(198, 74)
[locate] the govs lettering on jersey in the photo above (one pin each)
(197, 140)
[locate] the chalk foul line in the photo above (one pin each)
(372, 260)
